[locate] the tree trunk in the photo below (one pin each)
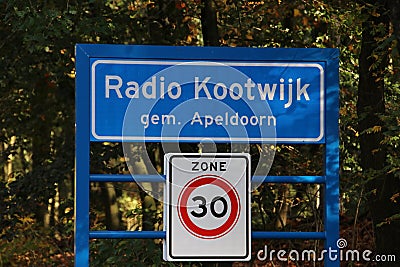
(149, 204)
(209, 23)
(394, 6)
(41, 137)
(370, 107)
(283, 212)
(209, 29)
(109, 198)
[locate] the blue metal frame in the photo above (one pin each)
(83, 177)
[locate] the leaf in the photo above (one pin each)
(377, 128)
(393, 198)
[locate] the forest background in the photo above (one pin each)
(37, 93)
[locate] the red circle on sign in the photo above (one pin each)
(190, 225)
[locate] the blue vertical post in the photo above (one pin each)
(332, 159)
(82, 150)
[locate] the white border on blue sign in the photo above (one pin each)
(198, 139)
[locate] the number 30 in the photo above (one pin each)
(203, 207)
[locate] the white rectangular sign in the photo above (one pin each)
(207, 207)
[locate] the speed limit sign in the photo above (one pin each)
(207, 207)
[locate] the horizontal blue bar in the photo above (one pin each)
(288, 235)
(162, 235)
(156, 178)
(127, 234)
(289, 179)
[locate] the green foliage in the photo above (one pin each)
(287, 207)
(37, 118)
(391, 130)
(125, 252)
(36, 246)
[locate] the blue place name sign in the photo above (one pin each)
(220, 99)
